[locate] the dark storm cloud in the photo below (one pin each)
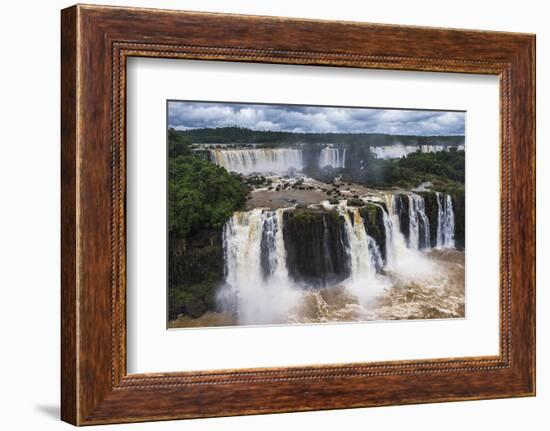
(290, 118)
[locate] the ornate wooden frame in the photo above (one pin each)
(95, 42)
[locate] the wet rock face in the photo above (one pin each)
(196, 266)
(310, 154)
(373, 219)
(191, 258)
(402, 208)
(460, 217)
(432, 211)
(315, 244)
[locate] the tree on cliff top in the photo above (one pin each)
(445, 169)
(201, 195)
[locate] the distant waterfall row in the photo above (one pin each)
(400, 151)
(259, 160)
(332, 157)
(282, 160)
(270, 252)
(273, 160)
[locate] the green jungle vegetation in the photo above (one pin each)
(241, 135)
(444, 169)
(201, 194)
(201, 197)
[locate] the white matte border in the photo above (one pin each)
(153, 348)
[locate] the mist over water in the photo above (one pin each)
(257, 295)
(404, 259)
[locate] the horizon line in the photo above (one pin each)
(302, 133)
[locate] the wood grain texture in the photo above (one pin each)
(69, 397)
(96, 41)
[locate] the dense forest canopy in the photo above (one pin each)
(241, 135)
(201, 197)
(200, 194)
(444, 169)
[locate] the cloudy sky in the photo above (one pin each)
(303, 119)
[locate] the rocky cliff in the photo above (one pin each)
(195, 268)
(315, 244)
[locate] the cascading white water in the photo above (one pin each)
(258, 294)
(258, 285)
(389, 230)
(432, 148)
(331, 157)
(364, 258)
(399, 151)
(440, 220)
(396, 246)
(445, 222)
(419, 225)
(259, 160)
(400, 258)
(449, 225)
(361, 262)
(344, 158)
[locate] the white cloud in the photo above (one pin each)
(188, 115)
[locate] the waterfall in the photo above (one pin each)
(362, 249)
(272, 248)
(432, 148)
(261, 286)
(396, 245)
(419, 225)
(445, 222)
(257, 282)
(258, 160)
(399, 151)
(364, 257)
(401, 258)
(449, 224)
(344, 158)
(389, 230)
(331, 157)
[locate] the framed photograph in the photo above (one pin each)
(264, 214)
(302, 214)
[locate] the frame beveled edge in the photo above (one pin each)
(95, 388)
